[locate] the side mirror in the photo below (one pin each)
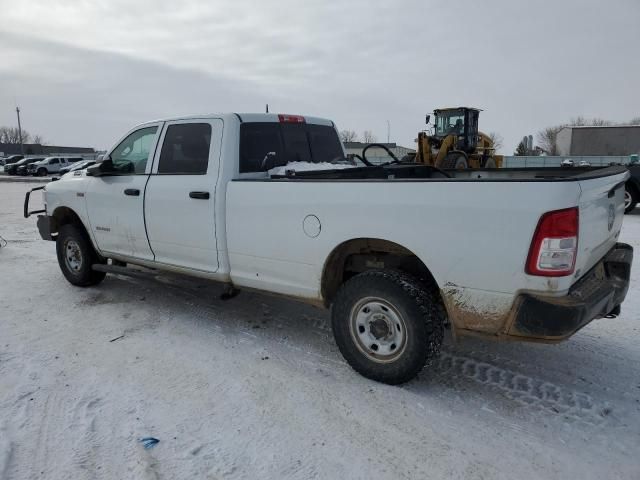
(105, 167)
(427, 119)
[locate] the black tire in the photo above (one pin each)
(455, 161)
(76, 255)
(490, 163)
(630, 198)
(42, 172)
(420, 311)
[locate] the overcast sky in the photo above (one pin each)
(84, 72)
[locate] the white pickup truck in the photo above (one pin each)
(51, 165)
(399, 252)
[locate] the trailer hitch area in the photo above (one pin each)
(26, 211)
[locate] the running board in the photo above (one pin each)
(117, 269)
(229, 291)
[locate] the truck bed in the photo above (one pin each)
(406, 172)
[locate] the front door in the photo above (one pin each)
(180, 196)
(115, 202)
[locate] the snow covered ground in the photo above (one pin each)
(255, 387)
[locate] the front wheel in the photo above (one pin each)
(42, 172)
(387, 325)
(630, 199)
(455, 161)
(76, 255)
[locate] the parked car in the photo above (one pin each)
(51, 165)
(397, 251)
(20, 167)
(77, 166)
(11, 159)
(632, 188)
(23, 169)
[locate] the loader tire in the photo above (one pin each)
(76, 255)
(490, 163)
(455, 161)
(387, 325)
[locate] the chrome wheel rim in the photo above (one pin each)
(73, 256)
(378, 330)
(627, 199)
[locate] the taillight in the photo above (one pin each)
(555, 244)
(284, 118)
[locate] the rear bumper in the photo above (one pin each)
(597, 294)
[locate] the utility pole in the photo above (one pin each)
(267, 109)
(388, 131)
(19, 130)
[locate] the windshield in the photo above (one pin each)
(449, 122)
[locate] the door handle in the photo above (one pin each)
(199, 195)
(134, 192)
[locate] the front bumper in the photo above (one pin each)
(46, 227)
(597, 294)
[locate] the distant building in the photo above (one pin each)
(614, 140)
(378, 155)
(48, 150)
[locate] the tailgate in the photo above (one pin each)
(601, 212)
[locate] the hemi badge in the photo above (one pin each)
(79, 194)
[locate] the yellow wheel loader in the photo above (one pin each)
(456, 142)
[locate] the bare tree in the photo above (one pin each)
(547, 139)
(348, 136)
(634, 121)
(38, 139)
(599, 122)
(9, 135)
(496, 139)
(369, 137)
(12, 135)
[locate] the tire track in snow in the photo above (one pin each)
(491, 370)
(6, 451)
(524, 389)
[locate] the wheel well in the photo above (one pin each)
(63, 216)
(362, 254)
(631, 185)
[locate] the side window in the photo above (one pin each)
(132, 154)
(185, 149)
(54, 161)
(257, 141)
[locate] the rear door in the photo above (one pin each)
(115, 203)
(180, 195)
(601, 215)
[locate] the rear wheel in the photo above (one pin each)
(42, 172)
(76, 255)
(630, 198)
(457, 161)
(387, 325)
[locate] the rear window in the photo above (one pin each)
(286, 142)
